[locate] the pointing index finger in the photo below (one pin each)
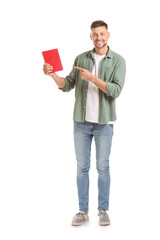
(81, 69)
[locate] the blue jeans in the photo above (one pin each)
(83, 134)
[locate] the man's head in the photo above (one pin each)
(99, 34)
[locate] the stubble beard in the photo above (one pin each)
(100, 47)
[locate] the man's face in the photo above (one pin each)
(99, 36)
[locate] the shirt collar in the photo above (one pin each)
(108, 55)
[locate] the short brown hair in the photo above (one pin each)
(99, 23)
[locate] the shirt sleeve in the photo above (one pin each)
(70, 80)
(114, 88)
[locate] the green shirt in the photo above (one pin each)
(112, 70)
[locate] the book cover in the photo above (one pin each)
(52, 57)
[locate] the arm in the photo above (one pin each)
(99, 83)
(112, 88)
(64, 84)
(58, 80)
(47, 68)
(70, 80)
(88, 76)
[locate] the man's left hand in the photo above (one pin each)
(85, 74)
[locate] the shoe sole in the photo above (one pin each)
(79, 224)
(104, 224)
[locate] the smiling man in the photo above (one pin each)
(98, 77)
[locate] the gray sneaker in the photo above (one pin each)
(79, 219)
(103, 218)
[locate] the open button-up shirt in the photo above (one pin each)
(112, 70)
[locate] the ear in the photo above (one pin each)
(91, 36)
(108, 35)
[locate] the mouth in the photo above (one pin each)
(99, 42)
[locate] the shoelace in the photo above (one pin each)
(103, 213)
(79, 215)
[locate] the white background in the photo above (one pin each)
(38, 194)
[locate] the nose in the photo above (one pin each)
(98, 37)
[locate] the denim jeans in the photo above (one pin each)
(83, 134)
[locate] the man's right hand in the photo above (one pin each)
(47, 69)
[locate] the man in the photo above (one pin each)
(98, 77)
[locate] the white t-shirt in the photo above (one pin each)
(92, 102)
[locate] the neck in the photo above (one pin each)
(101, 51)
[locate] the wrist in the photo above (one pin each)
(52, 75)
(93, 79)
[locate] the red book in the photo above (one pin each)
(52, 57)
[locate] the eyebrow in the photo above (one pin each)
(96, 33)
